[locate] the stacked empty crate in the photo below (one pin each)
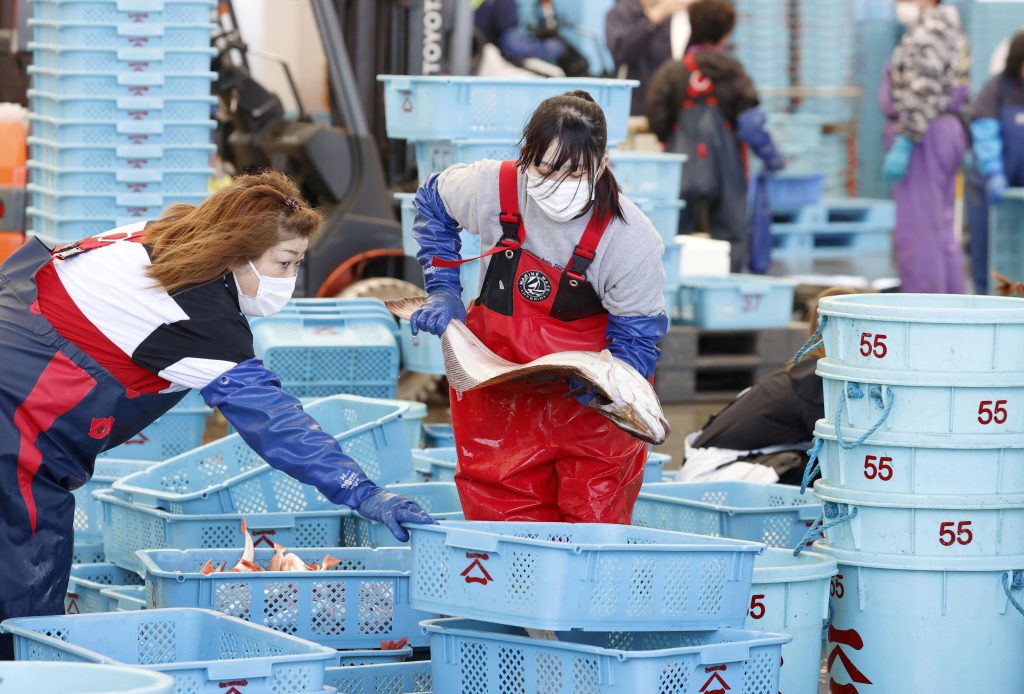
(120, 112)
(923, 490)
(453, 120)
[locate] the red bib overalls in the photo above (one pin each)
(528, 451)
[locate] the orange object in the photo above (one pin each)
(10, 241)
(13, 152)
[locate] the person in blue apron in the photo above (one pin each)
(100, 337)
(997, 128)
(706, 106)
(573, 265)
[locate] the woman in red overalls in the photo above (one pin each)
(573, 265)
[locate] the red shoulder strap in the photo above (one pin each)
(91, 243)
(585, 251)
(512, 233)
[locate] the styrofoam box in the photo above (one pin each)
(702, 256)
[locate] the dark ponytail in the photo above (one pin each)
(578, 123)
(1015, 57)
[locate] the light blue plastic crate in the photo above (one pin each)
(87, 552)
(412, 420)
(126, 598)
(88, 515)
(672, 262)
(354, 605)
(736, 301)
(907, 463)
(438, 435)
(122, 84)
(200, 649)
(122, 34)
(1006, 236)
(316, 355)
(83, 593)
(118, 11)
(830, 240)
(790, 595)
(129, 527)
(180, 429)
(433, 156)
(664, 215)
(334, 306)
(793, 192)
(439, 499)
(921, 525)
(385, 678)
(138, 157)
(446, 108)
(106, 206)
(103, 59)
(775, 514)
(226, 476)
(118, 181)
(421, 353)
(374, 656)
(82, 678)
(905, 333)
(125, 132)
(93, 107)
(53, 230)
(652, 175)
(902, 608)
(589, 576)
(468, 655)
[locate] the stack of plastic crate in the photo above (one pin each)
(556, 608)
(877, 32)
(922, 484)
(455, 120)
(120, 112)
(762, 41)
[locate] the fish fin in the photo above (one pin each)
(607, 356)
(328, 563)
(404, 308)
(252, 566)
(207, 568)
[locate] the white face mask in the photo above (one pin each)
(559, 200)
(907, 12)
(272, 294)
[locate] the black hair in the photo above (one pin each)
(578, 123)
(1015, 58)
(711, 21)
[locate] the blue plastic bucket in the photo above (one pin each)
(594, 577)
(789, 595)
(923, 525)
(923, 404)
(81, 678)
(470, 656)
(912, 624)
(438, 435)
(914, 464)
(925, 333)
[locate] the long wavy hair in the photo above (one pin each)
(196, 244)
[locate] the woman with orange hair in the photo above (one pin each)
(100, 337)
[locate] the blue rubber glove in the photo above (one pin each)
(986, 136)
(751, 126)
(579, 390)
(894, 168)
(441, 306)
(634, 340)
(274, 425)
(392, 510)
(995, 187)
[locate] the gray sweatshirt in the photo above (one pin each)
(627, 273)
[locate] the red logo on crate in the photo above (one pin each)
(138, 211)
(138, 163)
(482, 576)
(138, 139)
(139, 66)
(139, 90)
(137, 187)
(325, 330)
(73, 604)
(716, 680)
(847, 637)
(407, 104)
(259, 536)
(233, 686)
(138, 115)
(138, 42)
(137, 440)
(138, 17)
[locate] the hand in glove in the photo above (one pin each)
(583, 393)
(995, 186)
(392, 510)
(894, 168)
(441, 306)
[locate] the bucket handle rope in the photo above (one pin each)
(831, 510)
(1017, 584)
(883, 398)
(813, 342)
(812, 464)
